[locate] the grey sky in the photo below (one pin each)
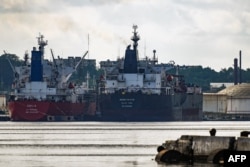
(190, 32)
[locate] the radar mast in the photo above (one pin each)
(135, 37)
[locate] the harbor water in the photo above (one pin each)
(94, 144)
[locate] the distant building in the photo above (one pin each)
(2, 103)
(90, 62)
(72, 61)
(214, 103)
(217, 86)
(233, 100)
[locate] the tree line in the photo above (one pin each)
(204, 76)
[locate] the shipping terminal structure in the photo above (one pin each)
(143, 90)
(42, 91)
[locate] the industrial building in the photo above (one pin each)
(232, 102)
(2, 103)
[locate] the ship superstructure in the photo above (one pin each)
(42, 90)
(143, 90)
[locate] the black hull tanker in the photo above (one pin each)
(142, 90)
(137, 107)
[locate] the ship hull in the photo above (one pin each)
(32, 110)
(149, 107)
(192, 108)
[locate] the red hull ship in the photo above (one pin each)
(31, 110)
(42, 91)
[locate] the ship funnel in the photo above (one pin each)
(36, 60)
(131, 55)
(36, 66)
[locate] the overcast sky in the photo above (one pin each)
(190, 32)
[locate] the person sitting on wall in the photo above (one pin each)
(212, 132)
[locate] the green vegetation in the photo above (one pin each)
(204, 76)
(192, 74)
(6, 71)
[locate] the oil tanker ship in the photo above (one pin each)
(143, 90)
(42, 91)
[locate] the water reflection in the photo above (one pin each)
(92, 144)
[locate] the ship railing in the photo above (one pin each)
(112, 77)
(162, 90)
(54, 98)
(35, 95)
(152, 78)
(194, 90)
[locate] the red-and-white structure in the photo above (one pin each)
(42, 90)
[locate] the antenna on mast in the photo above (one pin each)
(135, 37)
(41, 43)
(88, 46)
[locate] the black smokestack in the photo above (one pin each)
(235, 71)
(240, 76)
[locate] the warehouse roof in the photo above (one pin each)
(241, 90)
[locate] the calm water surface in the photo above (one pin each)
(96, 144)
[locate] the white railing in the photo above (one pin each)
(163, 90)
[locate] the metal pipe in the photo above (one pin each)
(240, 76)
